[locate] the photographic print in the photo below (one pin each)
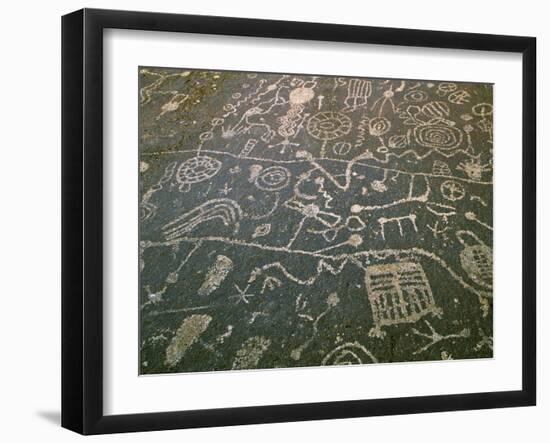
(293, 220)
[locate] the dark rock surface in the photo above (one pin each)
(291, 220)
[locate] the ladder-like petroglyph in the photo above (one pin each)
(398, 293)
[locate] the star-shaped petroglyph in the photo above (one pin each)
(242, 295)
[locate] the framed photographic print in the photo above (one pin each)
(273, 221)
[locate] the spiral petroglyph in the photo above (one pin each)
(438, 136)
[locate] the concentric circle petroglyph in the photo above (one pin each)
(197, 169)
(329, 125)
(440, 137)
(274, 178)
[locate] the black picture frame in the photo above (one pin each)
(82, 219)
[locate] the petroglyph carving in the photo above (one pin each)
(196, 170)
(224, 209)
(251, 352)
(441, 137)
(410, 218)
(441, 168)
(216, 275)
(262, 230)
(473, 168)
(398, 293)
(358, 93)
(452, 190)
(476, 259)
(349, 354)
(272, 179)
(186, 335)
(329, 125)
(459, 97)
(379, 126)
(435, 337)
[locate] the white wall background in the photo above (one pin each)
(30, 219)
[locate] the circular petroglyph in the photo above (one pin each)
(341, 148)
(482, 109)
(197, 169)
(445, 88)
(379, 126)
(206, 136)
(416, 96)
(329, 125)
(440, 137)
(349, 354)
(273, 178)
(452, 190)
